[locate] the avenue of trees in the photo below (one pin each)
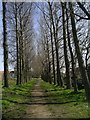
(63, 45)
(18, 33)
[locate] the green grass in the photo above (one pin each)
(64, 103)
(15, 98)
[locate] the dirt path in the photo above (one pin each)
(38, 107)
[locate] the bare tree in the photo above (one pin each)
(71, 53)
(79, 56)
(65, 48)
(59, 79)
(19, 21)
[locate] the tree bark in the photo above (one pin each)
(71, 54)
(17, 45)
(53, 62)
(59, 79)
(65, 48)
(22, 54)
(49, 64)
(5, 46)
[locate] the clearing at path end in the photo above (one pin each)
(38, 107)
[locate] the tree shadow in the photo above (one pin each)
(38, 103)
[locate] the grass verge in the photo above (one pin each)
(15, 98)
(64, 103)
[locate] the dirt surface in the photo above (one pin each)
(38, 107)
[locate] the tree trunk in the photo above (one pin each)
(5, 46)
(53, 62)
(17, 45)
(88, 72)
(49, 64)
(22, 54)
(20, 61)
(71, 54)
(59, 79)
(65, 48)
